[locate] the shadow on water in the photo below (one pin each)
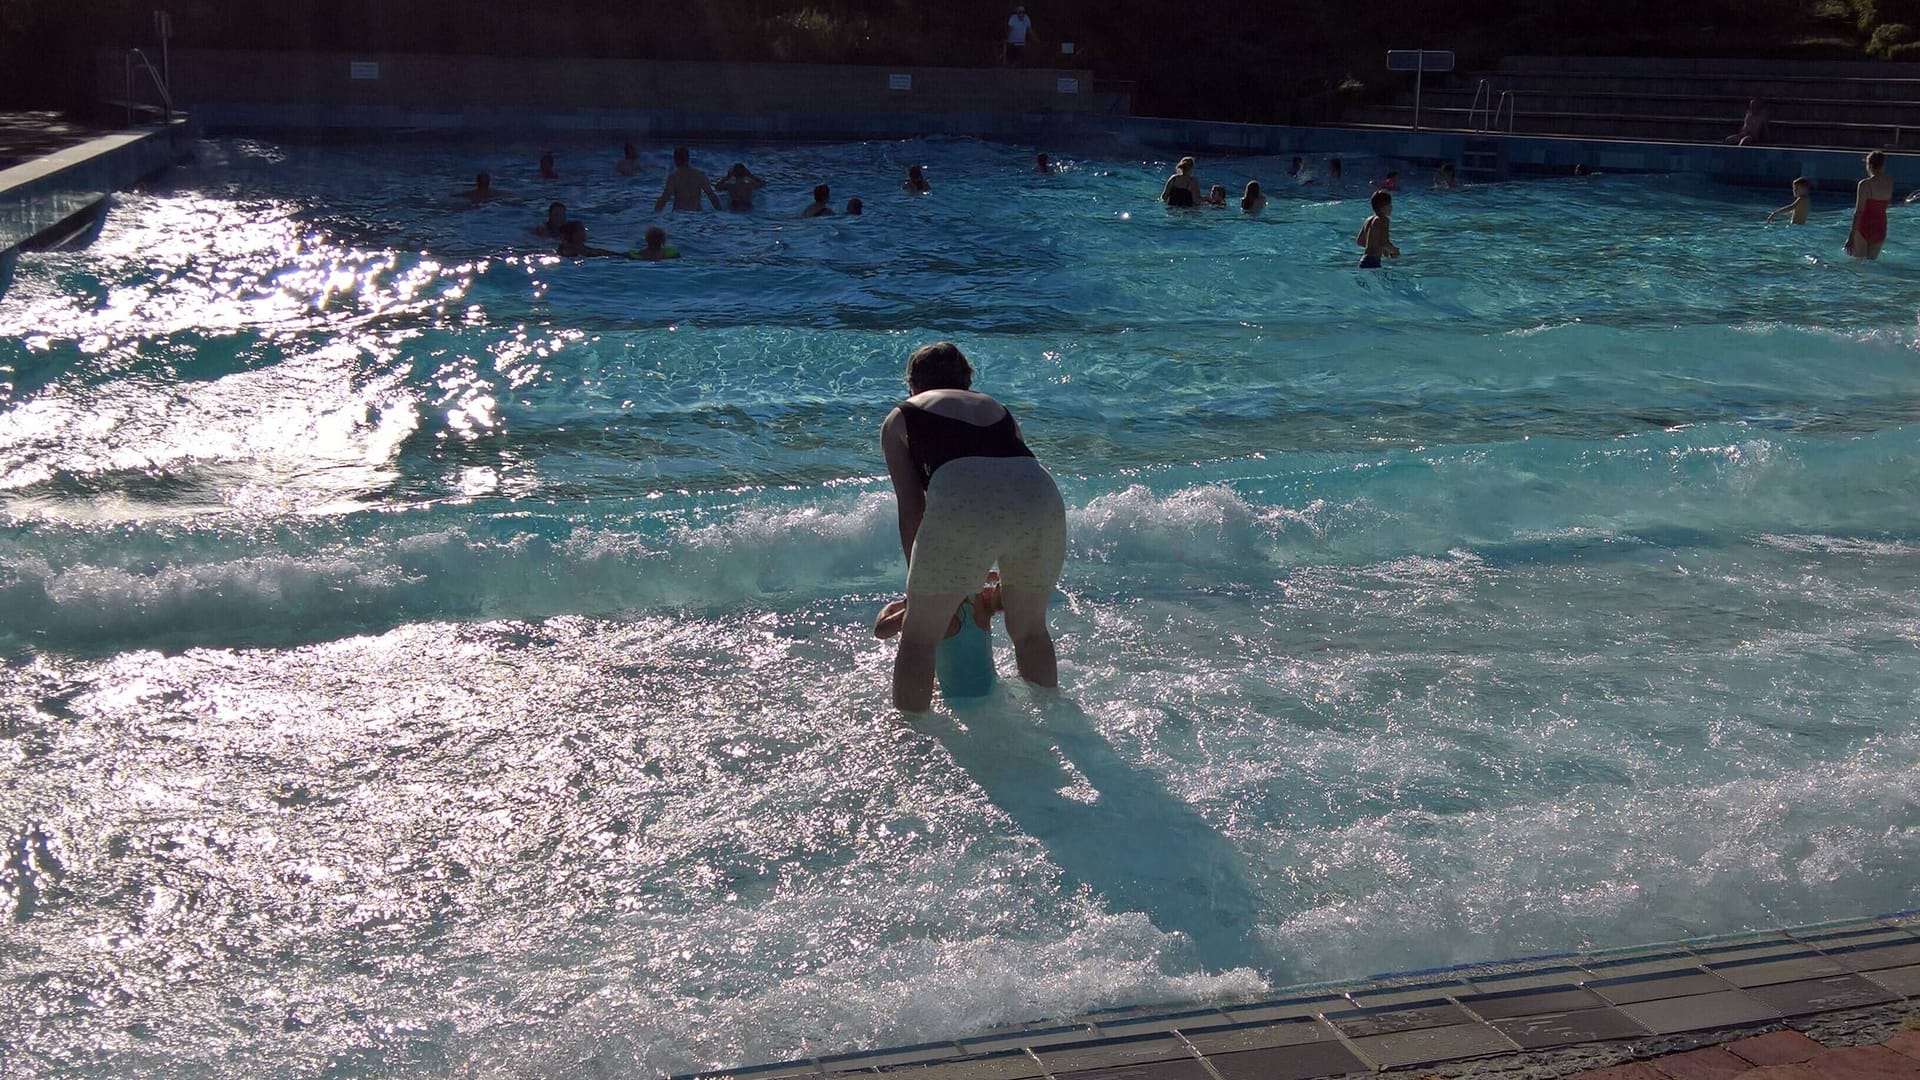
(1131, 841)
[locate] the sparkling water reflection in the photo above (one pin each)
(426, 656)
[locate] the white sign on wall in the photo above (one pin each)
(363, 69)
(1068, 85)
(899, 82)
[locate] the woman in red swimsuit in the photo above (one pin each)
(1870, 201)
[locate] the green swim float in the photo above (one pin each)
(645, 256)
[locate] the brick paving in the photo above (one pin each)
(1780, 1055)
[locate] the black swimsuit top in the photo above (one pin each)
(933, 439)
(1180, 196)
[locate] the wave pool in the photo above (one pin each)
(420, 656)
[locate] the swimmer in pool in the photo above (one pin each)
(685, 185)
(1802, 202)
(629, 163)
(1870, 201)
(1041, 165)
(546, 167)
(963, 661)
(1375, 236)
(1333, 173)
(916, 181)
(556, 224)
(1253, 202)
(739, 185)
(657, 249)
(1293, 169)
(481, 191)
(819, 206)
(1445, 179)
(573, 244)
(1392, 181)
(1217, 196)
(970, 494)
(854, 206)
(1182, 189)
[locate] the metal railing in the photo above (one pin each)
(1486, 110)
(1506, 106)
(1482, 102)
(137, 60)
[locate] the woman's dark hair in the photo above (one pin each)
(1876, 161)
(821, 193)
(656, 236)
(940, 366)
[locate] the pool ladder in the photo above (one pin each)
(1488, 110)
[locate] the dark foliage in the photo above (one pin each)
(1259, 61)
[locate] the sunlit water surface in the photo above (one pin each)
(422, 656)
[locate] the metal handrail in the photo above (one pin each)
(1482, 101)
(159, 83)
(1506, 104)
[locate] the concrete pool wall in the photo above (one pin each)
(38, 196)
(1058, 108)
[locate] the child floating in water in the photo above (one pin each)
(656, 248)
(1375, 236)
(1802, 202)
(964, 660)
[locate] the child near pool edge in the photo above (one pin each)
(963, 661)
(1802, 202)
(1375, 235)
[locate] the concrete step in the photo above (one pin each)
(1664, 129)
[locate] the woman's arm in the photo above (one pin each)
(1166, 193)
(907, 489)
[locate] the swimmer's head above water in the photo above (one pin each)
(939, 366)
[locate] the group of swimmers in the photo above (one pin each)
(684, 188)
(1182, 191)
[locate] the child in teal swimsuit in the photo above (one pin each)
(963, 663)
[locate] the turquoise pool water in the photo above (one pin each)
(419, 656)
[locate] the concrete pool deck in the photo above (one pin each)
(1551, 1015)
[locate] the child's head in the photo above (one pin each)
(821, 193)
(1802, 186)
(656, 238)
(1382, 203)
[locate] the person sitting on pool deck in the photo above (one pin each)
(629, 160)
(1870, 199)
(1375, 236)
(1253, 202)
(819, 207)
(657, 249)
(963, 662)
(1042, 165)
(1182, 189)
(854, 206)
(740, 184)
(556, 223)
(481, 191)
(1802, 202)
(916, 181)
(546, 167)
(574, 244)
(685, 185)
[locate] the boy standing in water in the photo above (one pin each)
(1802, 202)
(1375, 236)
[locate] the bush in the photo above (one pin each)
(1887, 38)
